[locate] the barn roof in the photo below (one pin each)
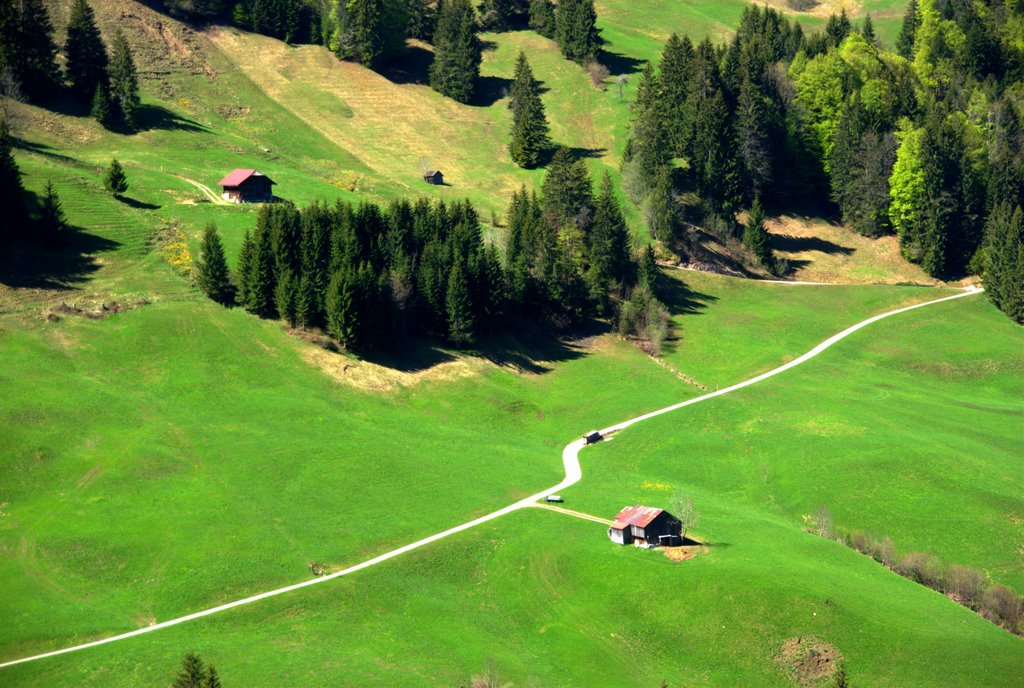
(431, 173)
(635, 516)
(238, 177)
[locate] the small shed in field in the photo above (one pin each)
(644, 525)
(247, 186)
(434, 177)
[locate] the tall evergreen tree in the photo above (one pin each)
(40, 76)
(124, 83)
(52, 223)
(286, 297)
(530, 139)
(908, 31)
(84, 52)
(361, 31)
(676, 73)
(542, 17)
(576, 30)
(12, 192)
(457, 51)
(567, 192)
(244, 269)
(660, 210)
(261, 284)
(838, 28)
(115, 181)
(102, 110)
(868, 31)
(211, 270)
(1004, 268)
(753, 139)
(459, 307)
(191, 673)
(609, 238)
(755, 236)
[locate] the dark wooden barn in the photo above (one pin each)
(434, 177)
(644, 525)
(247, 186)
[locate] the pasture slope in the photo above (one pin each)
(178, 455)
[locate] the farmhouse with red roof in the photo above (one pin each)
(247, 186)
(644, 525)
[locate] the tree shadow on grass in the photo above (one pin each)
(412, 67)
(42, 149)
(61, 268)
(489, 90)
(152, 117)
(619, 65)
(797, 244)
(137, 204)
(679, 300)
(530, 350)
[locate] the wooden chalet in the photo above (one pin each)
(247, 186)
(646, 526)
(434, 177)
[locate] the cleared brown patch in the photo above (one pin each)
(824, 252)
(685, 553)
(808, 660)
(377, 378)
(854, 8)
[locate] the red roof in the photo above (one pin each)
(635, 516)
(238, 177)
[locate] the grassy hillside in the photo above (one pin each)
(534, 589)
(179, 455)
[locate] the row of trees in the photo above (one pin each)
(924, 143)
(28, 61)
(371, 276)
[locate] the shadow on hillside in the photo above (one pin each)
(137, 204)
(489, 90)
(41, 149)
(795, 244)
(679, 299)
(158, 117)
(530, 350)
(62, 268)
(412, 67)
(619, 65)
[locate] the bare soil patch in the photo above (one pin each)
(809, 661)
(684, 553)
(92, 311)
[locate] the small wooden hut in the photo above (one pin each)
(247, 186)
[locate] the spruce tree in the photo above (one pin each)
(260, 285)
(542, 17)
(212, 679)
(459, 307)
(115, 181)
(905, 41)
(306, 303)
(457, 51)
(676, 73)
(363, 27)
(576, 30)
(211, 270)
(609, 236)
(530, 139)
(342, 310)
(286, 297)
(12, 193)
(755, 236)
(1004, 269)
(647, 270)
(102, 109)
(52, 223)
(124, 83)
(40, 77)
(191, 673)
(753, 134)
(568, 196)
(11, 52)
(84, 52)
(244, 268)
(659, 207)
(868, 31)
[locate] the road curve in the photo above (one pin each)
(573, 474)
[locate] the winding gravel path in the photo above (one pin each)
(573, 474)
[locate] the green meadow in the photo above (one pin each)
(180, 455)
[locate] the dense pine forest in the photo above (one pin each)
(925, 142)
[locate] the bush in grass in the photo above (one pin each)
(883, 551)
(965, 583)
(1002, 606)
(924, 568)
